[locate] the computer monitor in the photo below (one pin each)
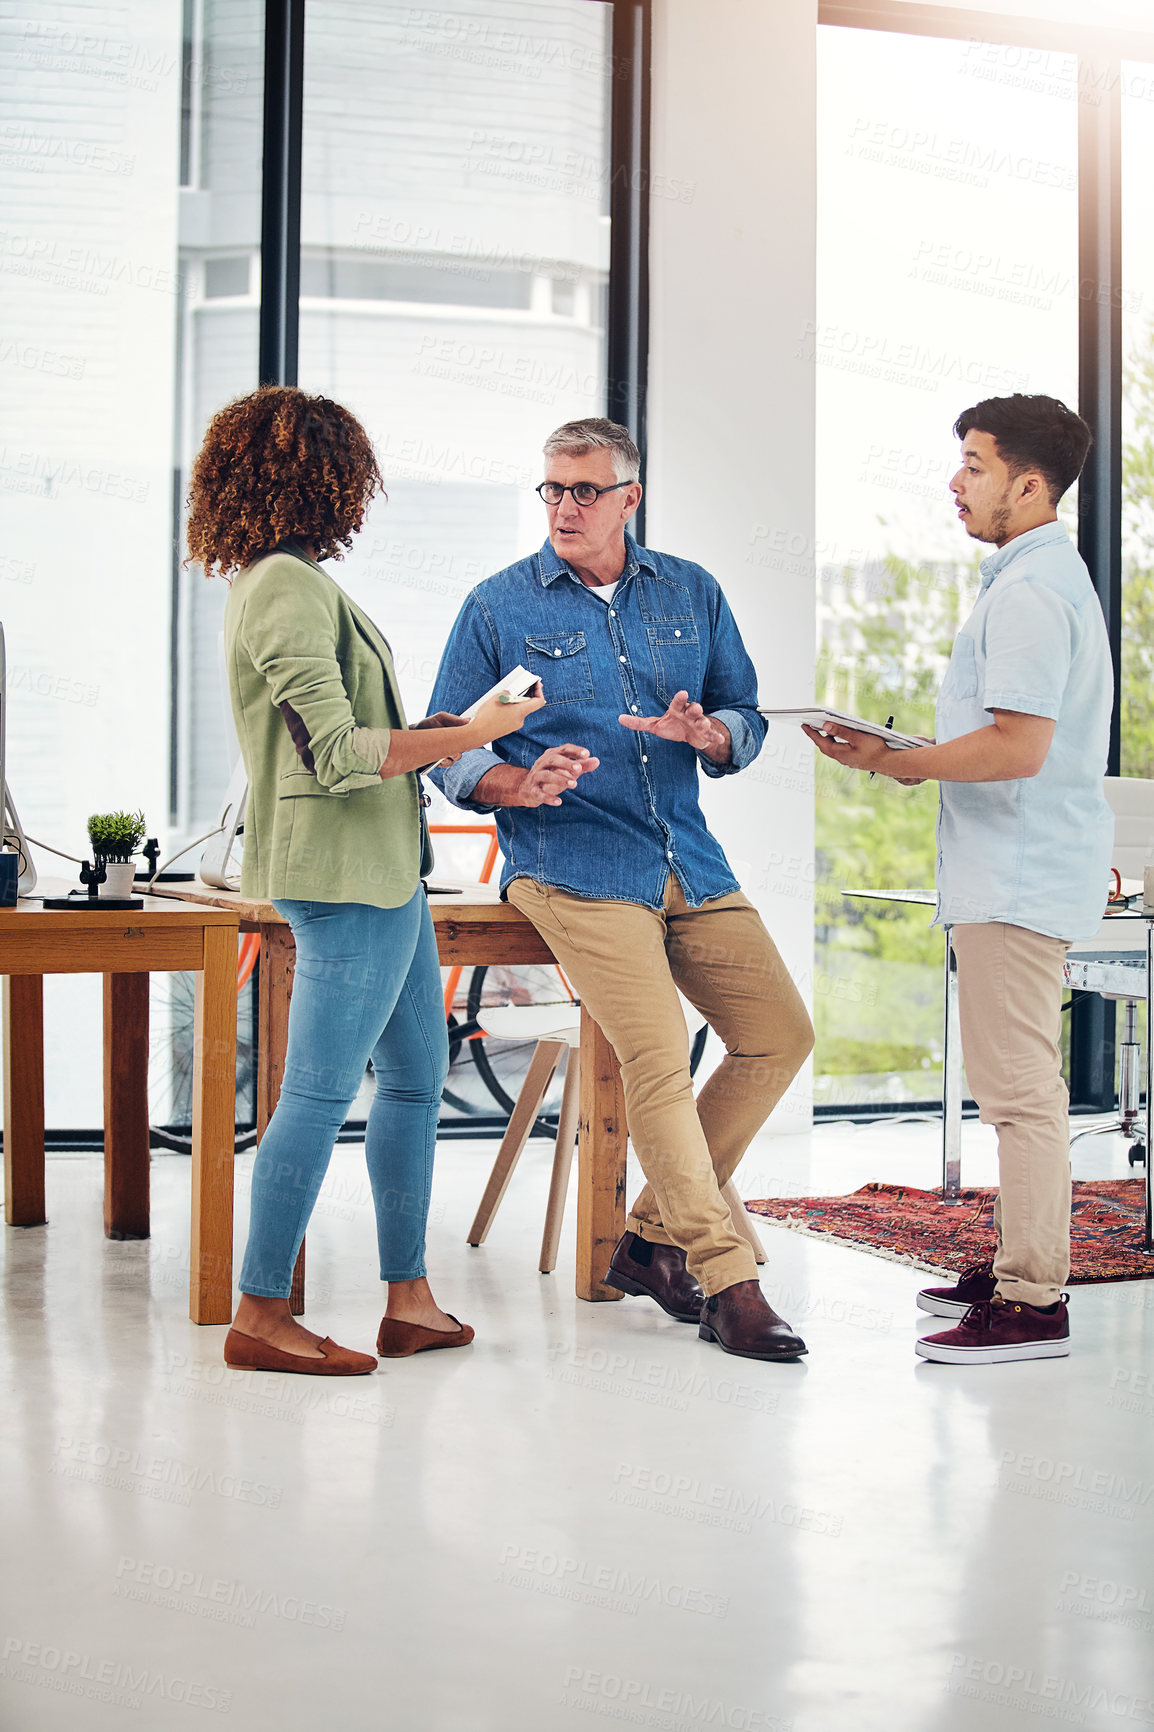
(13, 838)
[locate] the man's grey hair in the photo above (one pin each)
(577, 437)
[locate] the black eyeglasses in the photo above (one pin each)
(584, 492)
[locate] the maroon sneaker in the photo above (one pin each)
(973, 1287)
(1001, 1329)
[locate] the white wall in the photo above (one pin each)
(731, 418)
(1108, 14)
(88, 179)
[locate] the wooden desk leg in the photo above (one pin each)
(277, 961)
(126, 1197)
(213, 1129)
(601, 1145)
(24, 1100)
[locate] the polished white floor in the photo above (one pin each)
(588, 1516)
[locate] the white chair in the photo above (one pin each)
(1106, 963)
(557, 1030)
(1131, 799)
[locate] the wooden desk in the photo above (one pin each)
(472, 928)
(125, 948)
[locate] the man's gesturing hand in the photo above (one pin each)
(553, 774)
(688, 723)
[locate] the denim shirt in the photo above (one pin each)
(617, 835)
(1033, 852)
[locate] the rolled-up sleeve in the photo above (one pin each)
(730, 692)
(1029, 643)
(290, 634)
(458, 780)
(469, 666)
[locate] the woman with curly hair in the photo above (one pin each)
(335, 838)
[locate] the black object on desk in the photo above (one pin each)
(92, 876)
(103, 904)
(9, 879)
(150, 875)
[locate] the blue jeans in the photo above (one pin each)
(367, 985)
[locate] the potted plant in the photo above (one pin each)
(115, 838)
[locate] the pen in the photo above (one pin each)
(889, 724)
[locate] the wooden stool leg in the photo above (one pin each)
(602, 1141)
(743, 1220)
(213, 1129)
(126, 1178)
(521, 1121)
(562, 1162)
(24, 1100)
(277, 960)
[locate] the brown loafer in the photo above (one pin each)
(397, 1340)
(641, 1266)
(246, 1353)
(741, 1320)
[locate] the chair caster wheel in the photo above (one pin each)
(1136, 1153)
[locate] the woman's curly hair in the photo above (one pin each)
(273, 464)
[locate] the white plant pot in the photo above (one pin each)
(118, 879)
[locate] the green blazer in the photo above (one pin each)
(315, 696)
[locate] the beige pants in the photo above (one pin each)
(626, 962)
(1010, 1000)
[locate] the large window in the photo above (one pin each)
(454, 267)
(220, 225)
(454, 259)
(90, 275)
(1137, 307)
(947, 272)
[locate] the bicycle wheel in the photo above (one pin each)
(172, 1000)
(502, 1064)
(460, 1098)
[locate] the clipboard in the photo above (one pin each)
(828, 721)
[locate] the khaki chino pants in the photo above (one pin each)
(1010, 1002)
(626, 963)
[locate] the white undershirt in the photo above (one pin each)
(604, 590)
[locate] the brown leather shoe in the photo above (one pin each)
(741, 1320)
(396, 1340)
(657, 1271)
(246, 1353)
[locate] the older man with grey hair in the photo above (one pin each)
(606, 850)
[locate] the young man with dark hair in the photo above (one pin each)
(1024, 843)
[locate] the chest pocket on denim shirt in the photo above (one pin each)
(961, 679)
(674, 650)
(561, 662)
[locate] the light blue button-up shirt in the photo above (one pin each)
(1033, 852)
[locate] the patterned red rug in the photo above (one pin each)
(917, 1228)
